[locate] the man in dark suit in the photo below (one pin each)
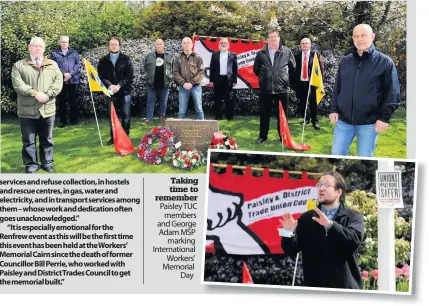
(302, 75)
(223, 76)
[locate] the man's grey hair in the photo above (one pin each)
(36, 40)
(64, 37)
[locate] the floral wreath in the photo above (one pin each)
(166, 143)
(224, 142)
(187, 159)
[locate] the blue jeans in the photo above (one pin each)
(344, 134)
(196, 93)
(152, 94)
(123, 111)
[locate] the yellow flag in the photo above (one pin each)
(316, 79)
(311, 204)
(95, 83)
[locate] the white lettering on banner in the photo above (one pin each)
(276, 204)
(245, 59)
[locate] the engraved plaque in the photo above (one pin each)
(193, 134)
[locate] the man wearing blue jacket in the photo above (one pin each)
(365, 95)
(69, 63)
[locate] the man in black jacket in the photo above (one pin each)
(329, 238)
(223, 77)
(274, 66)
(365, 95)
(117, 73)
(302, 75)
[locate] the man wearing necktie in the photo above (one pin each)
(302, 75)
(37, 81)
(328, 237)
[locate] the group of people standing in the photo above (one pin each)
(365, 95)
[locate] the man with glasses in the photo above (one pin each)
(329, 238)
(116, 72)
(223, 77)
(365, 95)
(274, 66)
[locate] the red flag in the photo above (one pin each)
(123, 144)
(285, 133)
(247, 278)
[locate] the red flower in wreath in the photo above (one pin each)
(188, 164)
(232, 142)
(184, 157)
(196, 156)
(177, 154)
(153, 155)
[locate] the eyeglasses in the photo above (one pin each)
(363, 36)
(323, 186)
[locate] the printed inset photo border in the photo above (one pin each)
(313, 222)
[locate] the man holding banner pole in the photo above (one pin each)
(329, 238)
(304, 92)
(117, 73)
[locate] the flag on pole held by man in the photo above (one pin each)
(122, 142)
(285, 133)
(247, 278)
(95, 83)
(316, 79)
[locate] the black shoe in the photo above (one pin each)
(110, 142)
(49, 168)
(306, 122)
(62, 125)
(260, 140)
(316, 126)
(31, 169)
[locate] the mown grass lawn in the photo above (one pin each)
(78, 150)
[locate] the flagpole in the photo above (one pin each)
(306, 102)
(96, 120)
(93, 105)
(296, 267)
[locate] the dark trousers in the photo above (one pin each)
(267, 102)
(302, 92)
(123, 110)
(222, 90)
(69, 92)
(30, 130)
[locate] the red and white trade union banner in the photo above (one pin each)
(244, 211)
(246, 53)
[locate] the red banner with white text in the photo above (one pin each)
(246, 51)
(244, 211)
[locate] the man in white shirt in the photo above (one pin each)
(304, 64)
(223, 77)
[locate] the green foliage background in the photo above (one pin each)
(90, 23)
